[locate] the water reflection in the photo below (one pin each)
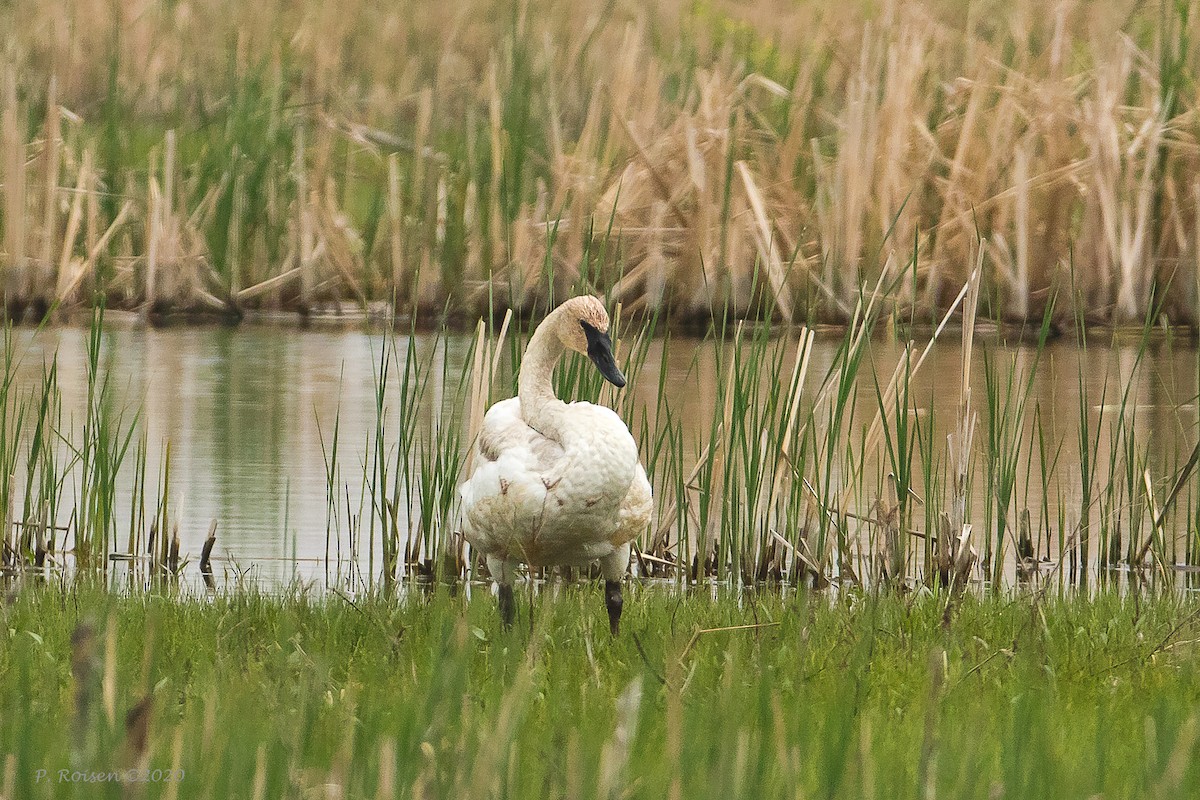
(250, 416)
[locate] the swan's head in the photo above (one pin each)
(583, 327)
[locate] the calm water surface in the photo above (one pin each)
(249, 414)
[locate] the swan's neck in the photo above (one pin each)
(540, 407)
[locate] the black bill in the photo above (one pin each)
(601, 353)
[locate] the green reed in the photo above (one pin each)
(61, 496)
(790, 475)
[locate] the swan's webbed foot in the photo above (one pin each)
(613, 602)
(508, 607)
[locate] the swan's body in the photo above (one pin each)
(534, 499)
(556, 483)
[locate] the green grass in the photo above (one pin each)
(848, 696)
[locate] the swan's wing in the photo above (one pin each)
(505, 431)
(636, 509)
(506, 486)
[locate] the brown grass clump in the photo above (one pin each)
(755, 158)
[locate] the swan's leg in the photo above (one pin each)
(508, 606)
(614, 566)
(502, 572)
(613, 601)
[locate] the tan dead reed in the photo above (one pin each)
(756, 158)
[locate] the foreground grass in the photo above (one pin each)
(255, 696)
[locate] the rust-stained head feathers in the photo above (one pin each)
(582, 309)
(582, 325)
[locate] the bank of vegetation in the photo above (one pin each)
(692, 158)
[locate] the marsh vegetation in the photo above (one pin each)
(945, 545)
(195, 155)
(856, 460)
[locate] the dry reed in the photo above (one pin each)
(762, 158)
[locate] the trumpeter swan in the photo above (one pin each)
(556, 483)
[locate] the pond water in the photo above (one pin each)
(249, 414)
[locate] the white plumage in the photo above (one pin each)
(556, 483)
